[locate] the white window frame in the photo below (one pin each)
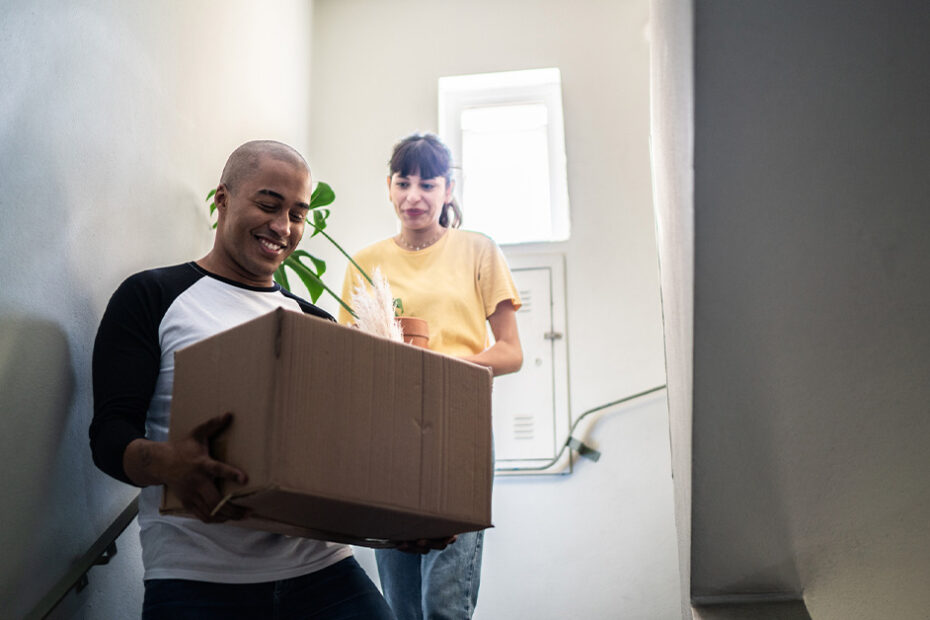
(457, 93)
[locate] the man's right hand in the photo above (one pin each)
(185, 465)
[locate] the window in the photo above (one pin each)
(505, 130)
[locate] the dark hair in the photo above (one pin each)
(425, 155)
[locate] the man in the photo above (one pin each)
(207, 568)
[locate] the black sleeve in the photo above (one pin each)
(307, 307)
(126, 362)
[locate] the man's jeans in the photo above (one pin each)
(338, 592)
(438, 585)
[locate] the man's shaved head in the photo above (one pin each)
(244, 160)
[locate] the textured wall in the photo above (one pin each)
(115, 119)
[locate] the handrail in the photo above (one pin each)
(105, 547)
(574, 444)
(99, 553)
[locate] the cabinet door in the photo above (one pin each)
(530, 407)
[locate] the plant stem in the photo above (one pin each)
(299, 267)
(339, 299)
(344, 253)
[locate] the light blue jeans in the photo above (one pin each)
(441, 585)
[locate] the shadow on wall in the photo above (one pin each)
(737, 458)
(36, 388)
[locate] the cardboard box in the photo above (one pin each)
(345, 436)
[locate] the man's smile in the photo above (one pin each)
(271, 246)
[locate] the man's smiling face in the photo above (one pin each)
(261, 220)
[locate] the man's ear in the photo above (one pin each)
(221, 198)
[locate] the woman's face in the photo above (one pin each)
(418, 202)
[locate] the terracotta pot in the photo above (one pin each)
(416, 331)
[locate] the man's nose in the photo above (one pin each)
(281, 224)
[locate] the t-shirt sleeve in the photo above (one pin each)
(126, 362)
(495, 280)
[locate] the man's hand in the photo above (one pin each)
(425, 545)
(186, 466)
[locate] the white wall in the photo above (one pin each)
(811, 339)
(599, 543)
(115, 119)
(672, 135)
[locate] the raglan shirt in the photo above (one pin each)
(150, 316)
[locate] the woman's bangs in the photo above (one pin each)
(421, 158)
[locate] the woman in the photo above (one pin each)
(459, 282)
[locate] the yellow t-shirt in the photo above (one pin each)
(455, 284)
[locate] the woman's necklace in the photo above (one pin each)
(423, 246)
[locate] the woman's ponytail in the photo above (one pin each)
(452, 206)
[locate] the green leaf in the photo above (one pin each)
(212, 205)
(311, 280)
(319, 221)
(318, 263)
(300, 268)
(322, 195)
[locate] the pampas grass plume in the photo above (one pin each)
(374, 307)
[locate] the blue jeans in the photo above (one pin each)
(438, 585)
(338, 592)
